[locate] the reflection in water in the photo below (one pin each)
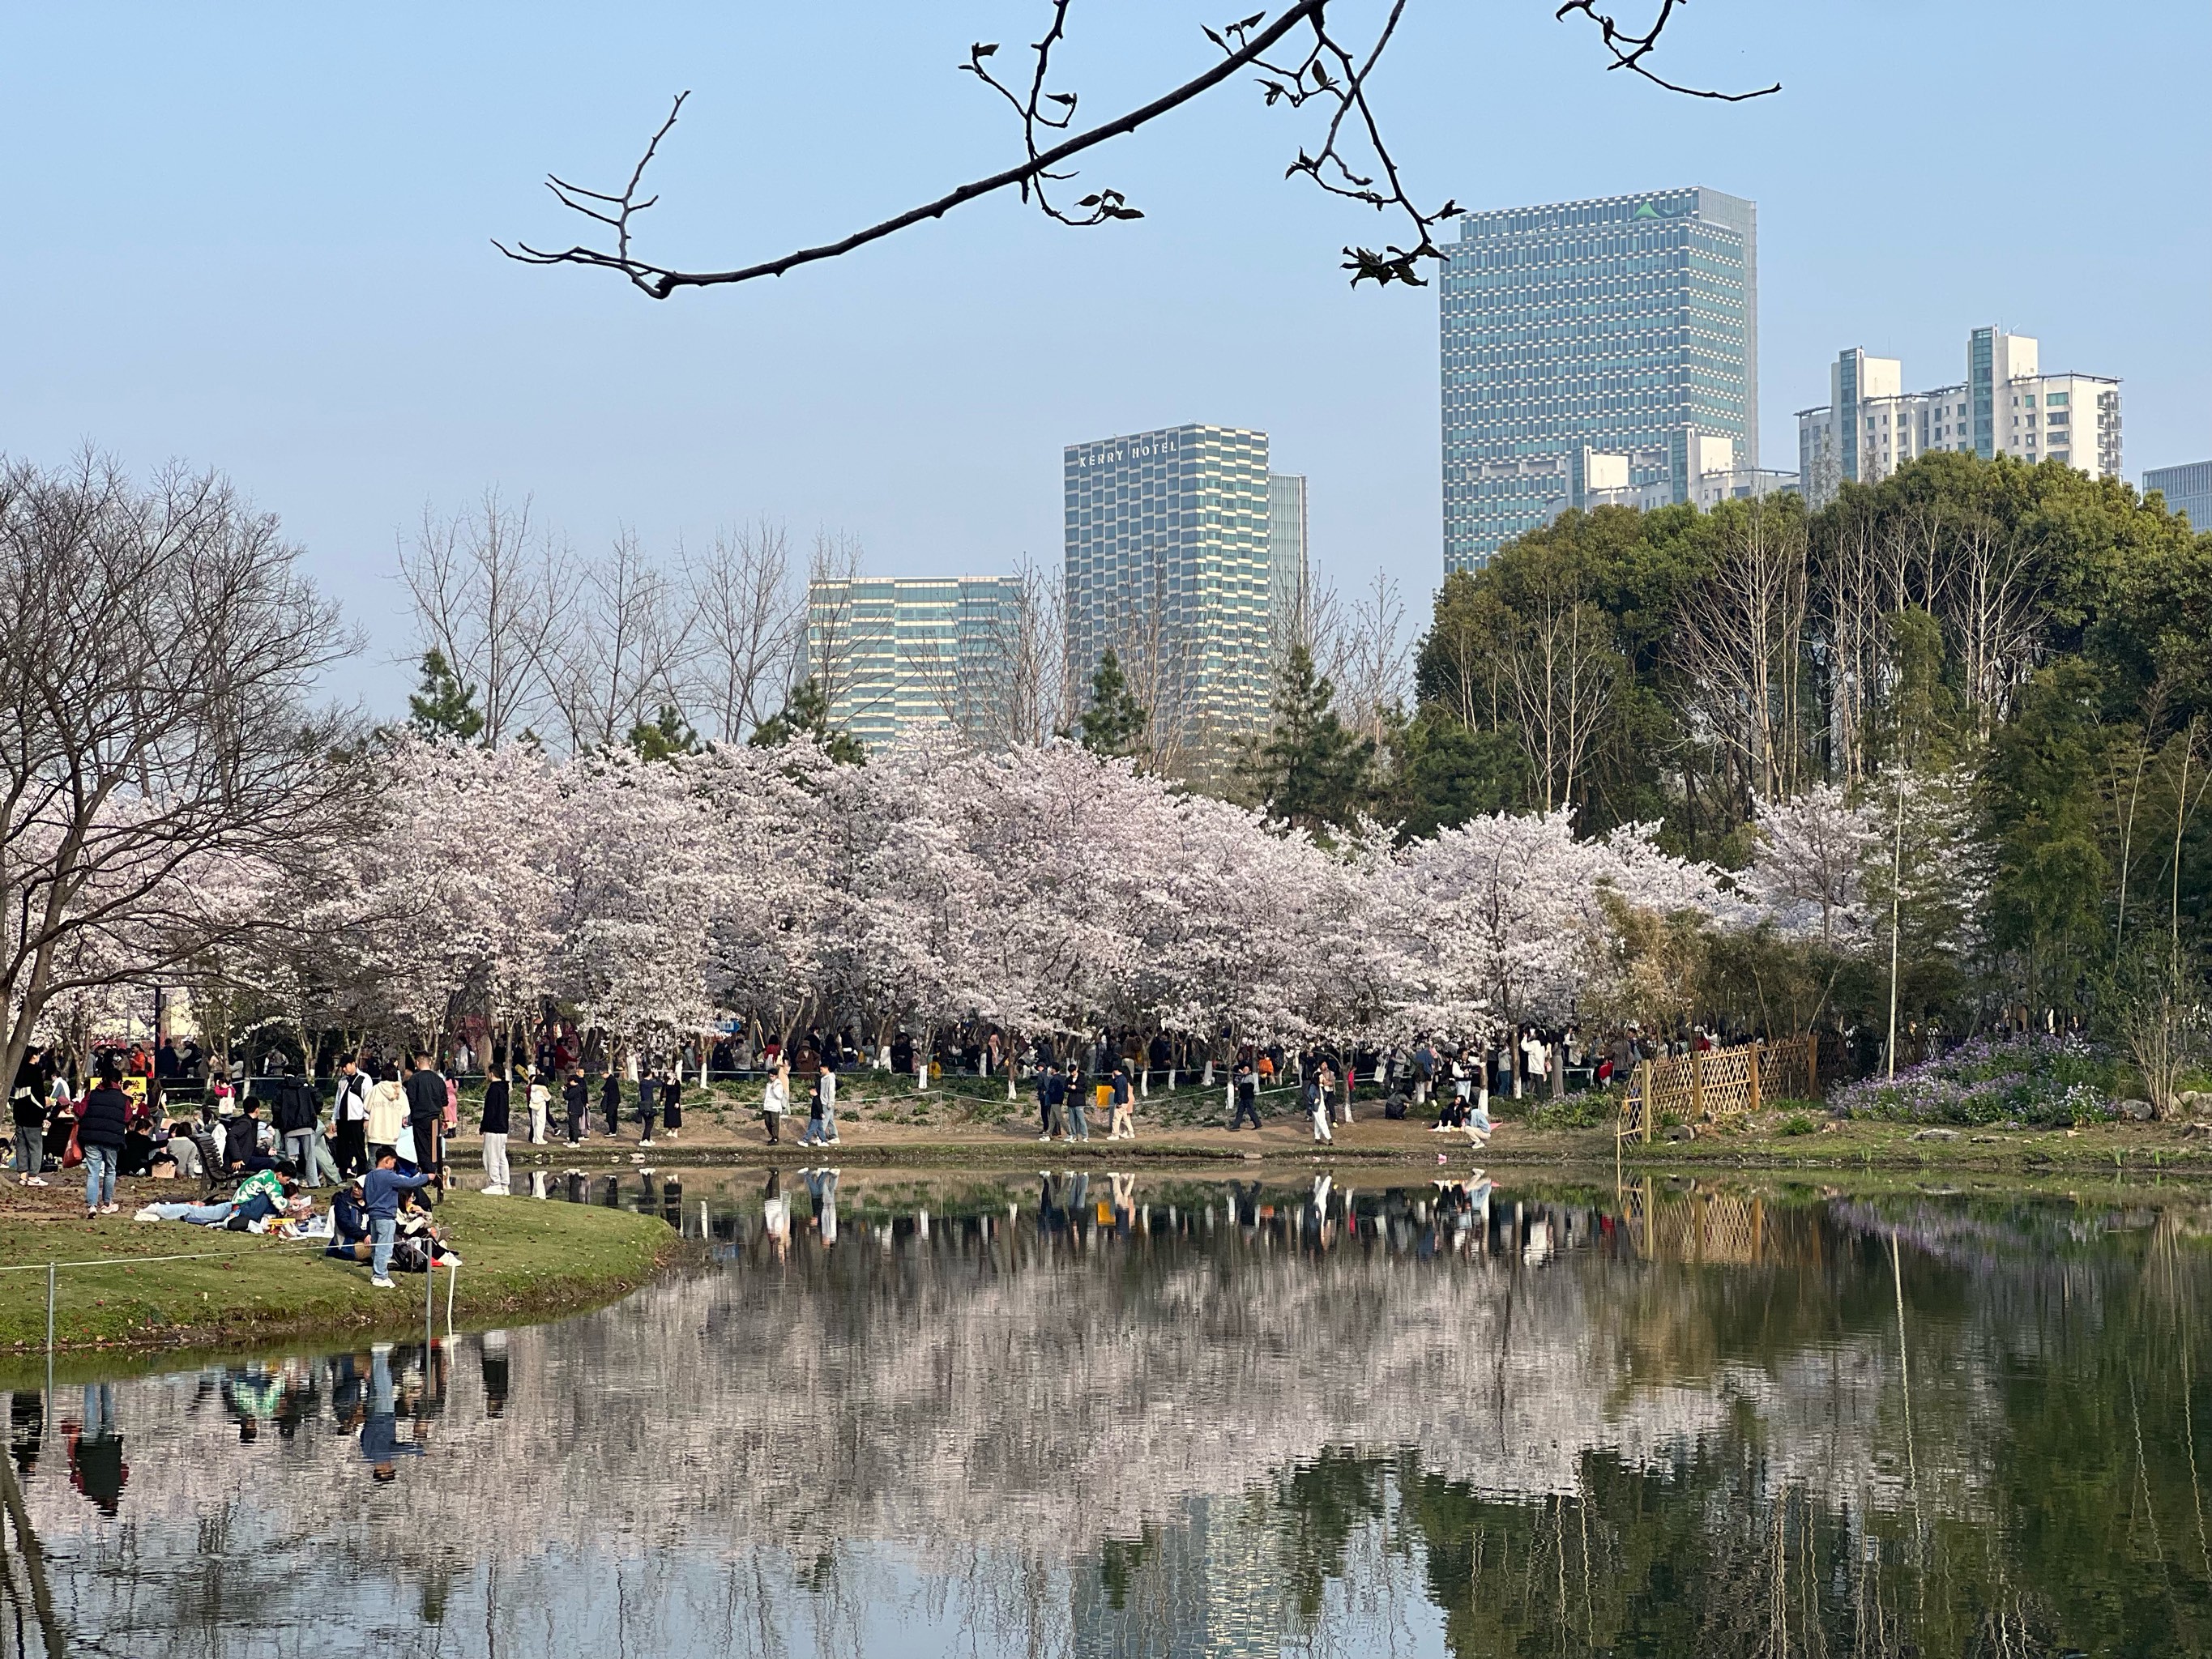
(1095, 1414)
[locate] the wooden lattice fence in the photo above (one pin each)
(1722, 1083)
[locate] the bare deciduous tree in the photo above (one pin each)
(1741, 644)
(492, 598)
(1298, 60)
(621, 658)
(158, 646)
(748, 628)
(1370, 678)
(1563, 668)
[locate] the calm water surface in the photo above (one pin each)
(1085, 1415)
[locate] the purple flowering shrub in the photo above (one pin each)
(2037, 1079)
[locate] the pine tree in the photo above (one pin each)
(443, 707)
(1115, 723)
(1310, 771)
(806, 714)
(666, 738)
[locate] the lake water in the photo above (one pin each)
(1094, 1416)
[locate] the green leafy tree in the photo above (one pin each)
(441, 706)
(806, 714)
(1116, 724)
(665, 737)
(1310, 771)
(2040, 784)
(1443, 773)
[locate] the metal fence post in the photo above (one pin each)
(49, 1308)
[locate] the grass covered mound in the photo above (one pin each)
(518, 1257)
(2044, 1081)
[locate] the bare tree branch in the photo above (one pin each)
(1327, 69)
(1629, 50)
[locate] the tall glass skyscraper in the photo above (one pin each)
(1626, 324)
(2187, 489)
(895, 652)
(1169, 564)
(1286, 559)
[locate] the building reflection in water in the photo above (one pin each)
(1097, 1413)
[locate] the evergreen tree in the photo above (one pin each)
(1310, 771)
(1115, 723)
(665, 737)
(442, 707)
(806, 714)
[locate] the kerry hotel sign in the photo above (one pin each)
(1119, 452)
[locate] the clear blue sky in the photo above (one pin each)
(256, 237)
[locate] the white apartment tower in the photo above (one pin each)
(1871, 426)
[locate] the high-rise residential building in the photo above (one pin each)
(1287, 570)
(1624, 325)
(2187, 489)
(1169, 544)
(1871, 426)
(895, 652)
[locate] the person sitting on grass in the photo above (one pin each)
(349, 1225)
(380, 1190)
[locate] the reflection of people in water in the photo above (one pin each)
(821, 1186)
(491, 1354)
(1125, 1204)
(776, 1217)
(27, 1429)
(95, 1450)
(380, 1430)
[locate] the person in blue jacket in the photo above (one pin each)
(380, 1196)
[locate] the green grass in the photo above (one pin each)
(518, 1257)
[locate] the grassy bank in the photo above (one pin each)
(519, 1259)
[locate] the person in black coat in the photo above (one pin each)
(102, 1127)
(496, 1096)
(610, 1100)
(242, 1140)
(426, 1115)
(576, 1094)
(28, 1109)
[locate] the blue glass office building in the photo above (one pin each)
(2187, 489)
(1629, 324)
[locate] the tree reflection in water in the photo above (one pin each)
(1100, 1415)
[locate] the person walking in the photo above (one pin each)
(1247, 1086)
(426, 1116)
(385, 1105)
(821, 1118)
(610, 1099)
(379, 1197)
(350, 1121)
(26, 1108)
(102, 1124)
(775, 1101)
(1317, 1098)
(1122, 1125)
(496, 1102)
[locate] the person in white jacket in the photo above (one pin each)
(775, 1101)
(541, 1104)
(387, 1111)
